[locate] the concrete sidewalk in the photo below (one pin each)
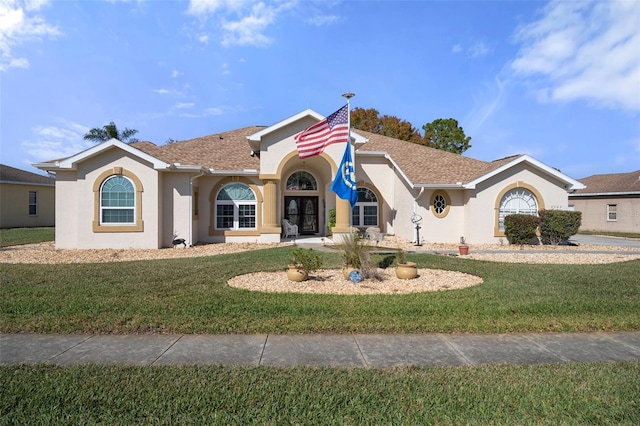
(334, 350)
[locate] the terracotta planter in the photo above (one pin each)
(464, 249)
(296, 273)
(406, 271)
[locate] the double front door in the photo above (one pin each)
(302, 211)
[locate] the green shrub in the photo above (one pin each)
(557, 226)
(332, 220)
(308, 259)
(520, 228)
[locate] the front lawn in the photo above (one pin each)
(603, 393)
(191, 296)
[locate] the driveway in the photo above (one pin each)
(605, 241)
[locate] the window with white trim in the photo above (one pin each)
(236, 207)
(33, 203)
(365, 212)
(517, 201)
(117, 201)
(612, 212)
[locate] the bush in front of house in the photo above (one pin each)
(557, 226)
(520, 228)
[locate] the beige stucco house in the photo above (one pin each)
(609, 203)
(27, 199)
(238, 186)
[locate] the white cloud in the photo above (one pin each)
(322, 20)
(241, 22)
(248, 31)
(485, 107)
(584, 51)
(207, 7)
(56, 141)
(477, 50)
(19, 24)
(176, 73)
(183, 105)
(208, 112)
(161, 91)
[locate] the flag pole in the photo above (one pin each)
(350, 95)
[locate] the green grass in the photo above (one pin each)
(605, 393)
(19, 236)
(191, 296)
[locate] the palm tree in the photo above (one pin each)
(110, 131)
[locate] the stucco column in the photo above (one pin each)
(343, 219)
(270, 218)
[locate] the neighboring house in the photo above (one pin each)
(609, 203)
(26, 199)
(238, 186)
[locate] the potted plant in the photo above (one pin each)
(353, 250)
(463, 248)
(405, 270)
(302, 262)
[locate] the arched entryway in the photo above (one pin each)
(301, 202)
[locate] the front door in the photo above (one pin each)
(302, 211)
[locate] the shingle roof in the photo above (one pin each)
(608, 183)
(220, 151)
(11, 174)
(425, 165)
(230, 151)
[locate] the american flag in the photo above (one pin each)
(333, 129)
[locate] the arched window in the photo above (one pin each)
(117, 201)
(236, 207)
(517, 201)
(365, 212)
(301, 181)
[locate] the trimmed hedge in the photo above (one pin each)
(520, 228)
(557, 226)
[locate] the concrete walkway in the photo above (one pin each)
(333, 350)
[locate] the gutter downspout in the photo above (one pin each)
(191, 179)
(415, 212)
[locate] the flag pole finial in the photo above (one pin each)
(348, 95)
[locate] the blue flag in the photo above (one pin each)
(344, 184)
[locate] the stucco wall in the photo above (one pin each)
(594, 213)
(14, 206)
(76, 204)
(482, 214)
(68, 211)
(175, 207)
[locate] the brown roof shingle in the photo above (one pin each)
(220, 151)
(11, 174)
(608, 183)
(425, 165)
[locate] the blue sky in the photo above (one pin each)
(559, 81)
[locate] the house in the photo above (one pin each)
(26, 199)
(609, 203)
(238, 186)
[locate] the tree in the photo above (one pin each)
(445, 134)
(110, 131)
(369, 120)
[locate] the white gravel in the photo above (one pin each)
(331, 281)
